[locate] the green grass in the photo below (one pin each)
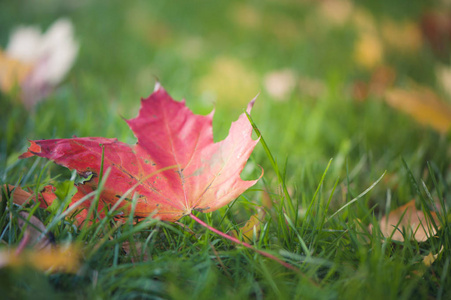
(321, 208)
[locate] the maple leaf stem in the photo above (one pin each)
(235, 240)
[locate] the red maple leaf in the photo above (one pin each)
(173, 169)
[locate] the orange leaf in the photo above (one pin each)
(423, 105)
(19, 195)
(413, 222)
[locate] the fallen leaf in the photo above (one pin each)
(12, 72)
(19, 196)
(174, 168)
(58, 259)
(280, 84)
(368, 50)
(251, 228)
(33, 230)
(81, 212)
(37, 62)
(429, 259)
(423, 105)
(413, 223)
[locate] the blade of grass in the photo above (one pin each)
(308, 212)
(356, 198)
(273, 162)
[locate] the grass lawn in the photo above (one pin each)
(354, 108)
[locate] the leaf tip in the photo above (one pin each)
(251, 104)
(32, 150)
(157, 85)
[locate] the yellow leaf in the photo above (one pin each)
(251, 227)
(423, 105)
(429, 259)
(12, 72)
(368, 50)
(59, 259)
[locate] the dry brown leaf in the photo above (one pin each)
(20, 196)
(413, 222)
(423, 105)
(33, 229)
